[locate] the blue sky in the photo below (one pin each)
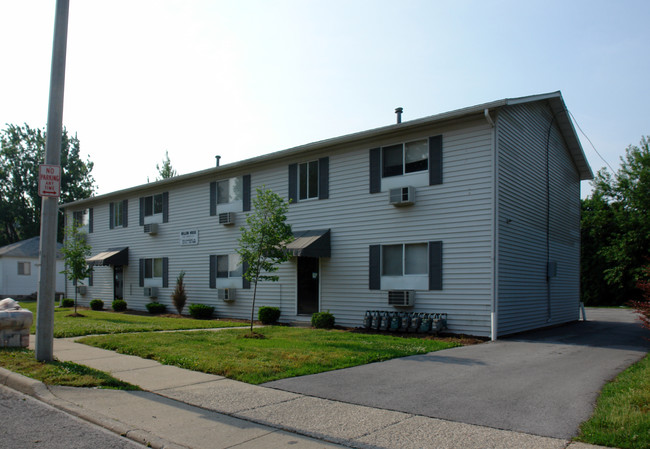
(244, 78)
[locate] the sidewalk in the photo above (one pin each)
(186, 409)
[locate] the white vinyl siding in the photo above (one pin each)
(526, 299)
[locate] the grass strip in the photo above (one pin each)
(284, 352)
(104, 322)
(622, 415)
(23, 361)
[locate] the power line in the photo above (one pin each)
(592, 144)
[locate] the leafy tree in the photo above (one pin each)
(75, 251)
(616, 230)
(22, 149)
(262, 245)
(166, 171)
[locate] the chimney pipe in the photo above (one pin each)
(399, 111)
(217, 157)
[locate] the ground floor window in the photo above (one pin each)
(24, 268)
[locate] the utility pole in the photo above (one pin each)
(49, 204)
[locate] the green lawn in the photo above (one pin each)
(285, 352)
(105, 322)
(622, 415)
(23, 361)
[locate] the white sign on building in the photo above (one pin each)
(190, 237)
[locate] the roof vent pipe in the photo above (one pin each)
(217, 157)
(399, 111)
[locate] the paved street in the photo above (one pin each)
(543, 383)
(28, 423)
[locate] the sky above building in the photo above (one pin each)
(244, 78)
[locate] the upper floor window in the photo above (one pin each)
(405, 158)
(118, 214)
(229, 190)
(308, 180)
(153, 208)
(81, 217)
(153, 205)
(24, 268)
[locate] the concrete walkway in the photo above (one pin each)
(186, 409)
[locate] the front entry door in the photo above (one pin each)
(118, 282)
(308, 282)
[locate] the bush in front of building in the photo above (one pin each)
(156, 308)
(97, 304)
(67, 302)
(322, 320)
(119, 305)
(268, 315)
(201, 311)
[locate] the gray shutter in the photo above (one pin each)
(375, 170)
(125, 213)
(90, 279)
(246, 194)
(141, 211)
(90, 220)
(374, 273)
(245, 282)
(435, 160)
(213, 271)
(213, 198)
(165, 272)
(293, 183)
(435, 265)
(141, 274)
(323, 178)
(165, 207)
(111, 215)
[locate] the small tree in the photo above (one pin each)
(166, 171)
(179, 297)
(262, 245)
(75, 250)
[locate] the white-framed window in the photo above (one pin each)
(308, 180)
(229, 190)
(81, 217)
(118, 214)
(229, 266)
(24, 268)
(404, 158)
(405, 266)
(153, 269)
(153, 205)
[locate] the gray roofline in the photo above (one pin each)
(554, 98)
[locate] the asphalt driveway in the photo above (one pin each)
(542, 382)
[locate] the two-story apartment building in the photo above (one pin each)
(474, 212)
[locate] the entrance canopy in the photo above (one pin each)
(314, 243)
(112, 256)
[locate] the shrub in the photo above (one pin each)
(179, 297)
(268, 315)
(201, 311)
(642, 306)
(322, 320)
(155, 308)
(97, 304)
(119, 305)
(67, 302)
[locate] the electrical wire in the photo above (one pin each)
(592, 144)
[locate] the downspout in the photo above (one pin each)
(495, 228)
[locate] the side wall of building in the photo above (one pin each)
(457, 213)
(14, 284)
(538, 221)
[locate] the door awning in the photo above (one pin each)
(112, 256)
(314, 243)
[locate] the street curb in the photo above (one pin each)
(40, 391)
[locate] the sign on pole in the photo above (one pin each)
(49, 180)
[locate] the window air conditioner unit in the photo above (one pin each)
(402, 196)
(151, 228)
(81, 289)
(151, 292)
(227, 218)
(401, 298)
(227, 294)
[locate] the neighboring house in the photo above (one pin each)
(474, 212)
(19, 268)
